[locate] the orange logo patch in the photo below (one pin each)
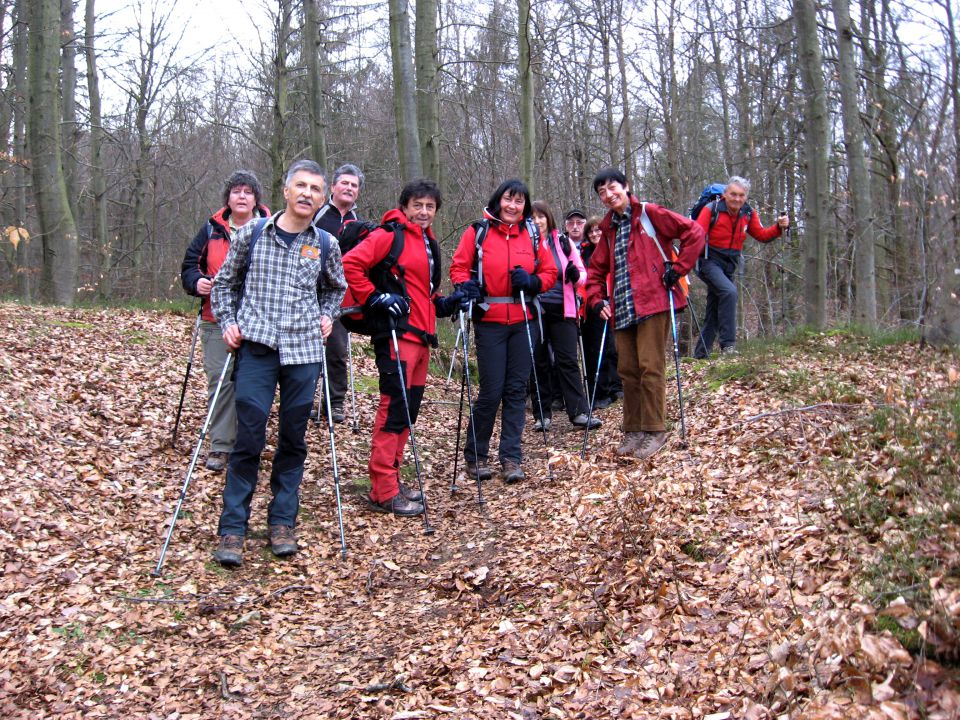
(310, 252)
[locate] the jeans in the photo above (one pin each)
(717, 271)
(503, 359)
(223, 421)
(258, 373)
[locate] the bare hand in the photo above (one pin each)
(605, 312)
(204, 285)
(783, 221)
(233, 337)
(326, 326)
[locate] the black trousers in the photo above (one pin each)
(561, 377)
(609, 380)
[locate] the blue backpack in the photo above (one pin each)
(711, 193)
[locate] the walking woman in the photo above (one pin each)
(510, 262)
(559, 320)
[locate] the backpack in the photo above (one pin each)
(480, 233)
(386, 276)
(712, 196)
(648, 228)
(325, 239)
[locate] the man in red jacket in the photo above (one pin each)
(727, 222)
(409, 306)
(629, 280)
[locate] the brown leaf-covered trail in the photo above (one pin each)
(717, 581)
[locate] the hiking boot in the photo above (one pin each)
(217, 460)
(398, 505)
(557, 405)
(729, 350)
(651, 444)
(229, 552)
(541, 425)
(485, 472)
(338, 416)
(283, 540)
(632, 441)
(602, 403)
(411, 494)
(512, 472)
(582, 421)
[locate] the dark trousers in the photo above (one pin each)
(608, 382)
(717, 270)
(258, 373)
(338, 356)
(503, 359)
(560, 335)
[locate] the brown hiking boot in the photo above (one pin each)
(512, 472)
(411, 494)
(632, 441)
(472, 469)
(217, 460)
(283, 540)
(229, 552)
(398, 505)
(652, 443)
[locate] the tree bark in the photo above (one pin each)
(311, 52)
(101, 239)
(428, 97)
(57, 226)
(68, 92)
(865, 296)
(528, 126)
(404, 92)
(281, 81)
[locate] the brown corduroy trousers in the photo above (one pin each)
(642, 351)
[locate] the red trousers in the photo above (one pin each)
(390, 429)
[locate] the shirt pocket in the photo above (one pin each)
(308, 270)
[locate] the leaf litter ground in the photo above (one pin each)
(719, 580)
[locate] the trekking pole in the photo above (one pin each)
(536, 383)
(453, 355)
(427, 528)
(593, 395)
(333, 446)
(186, 376)
(676, 361)
(353, 392)
(456, 448)
(464, 334)
(783, 301)
(192, 466)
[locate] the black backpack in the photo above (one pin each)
(480, 233)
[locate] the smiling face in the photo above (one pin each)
(541, 220)
(614, 196)
(511, 207)
(420, 211)
(345, 191)
(735, 196)
(304, 194)
(594, 235)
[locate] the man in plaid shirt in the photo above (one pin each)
(275, 302)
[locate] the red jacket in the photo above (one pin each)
(504, 247)
(645, 262)
(413, 258)
(730, 230)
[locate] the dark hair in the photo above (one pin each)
(608, 174)
(513, 186)
(242, 177)
(543, 207)
(420, 188)
(348, 169)
(309, 166)
(592, 222)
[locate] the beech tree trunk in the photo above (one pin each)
(311, 52)
(428, 97)
(101, 239)
(404, 92)
(528, 126)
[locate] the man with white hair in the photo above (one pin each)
(727, 221)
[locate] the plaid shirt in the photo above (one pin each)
(279, 296)
(623, 308)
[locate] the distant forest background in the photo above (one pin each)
(847, 115)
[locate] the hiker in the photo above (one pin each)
(275, 299)
(339, 209)
(409, 307)
(628, 281)
(608, 389)
(559, 322)
(242, 194)
(727, 221)
(512, 261)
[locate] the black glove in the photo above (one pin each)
(670, 278)
(520, 279)
(571, 274)
(471, 290)
(447, 306)
(391, 304)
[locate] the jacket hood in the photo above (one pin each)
(222, 216)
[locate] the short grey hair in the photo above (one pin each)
(304, 166)
(348, 169)
(741, 181)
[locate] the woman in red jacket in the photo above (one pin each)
(411, 308)
(496, 260)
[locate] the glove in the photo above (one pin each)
(396, 306)
(670, 278)
(471, 290)
(520, 279)
(447, 306)
(571, 274)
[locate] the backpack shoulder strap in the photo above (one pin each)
(715, 212)
(651, 231)
(254, 236)
(479, 234)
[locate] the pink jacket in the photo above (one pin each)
(569, 291)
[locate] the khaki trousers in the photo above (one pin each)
(642, 351)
